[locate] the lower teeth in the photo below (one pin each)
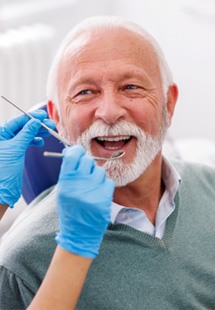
(112, 148)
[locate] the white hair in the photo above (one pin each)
(100, 23)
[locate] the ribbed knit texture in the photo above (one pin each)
(133, 270)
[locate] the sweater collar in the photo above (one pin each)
(171, 179)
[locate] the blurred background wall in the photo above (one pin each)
(30, 31)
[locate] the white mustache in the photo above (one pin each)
(100, 129)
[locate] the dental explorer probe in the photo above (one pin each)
(114, 156)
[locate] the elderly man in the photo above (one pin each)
(110, 89)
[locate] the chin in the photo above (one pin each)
(123, 173)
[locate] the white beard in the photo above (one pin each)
(147, 148)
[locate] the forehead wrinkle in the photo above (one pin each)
(99, 77)
(108, 73)
(86, 81)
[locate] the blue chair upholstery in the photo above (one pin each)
(40, 172)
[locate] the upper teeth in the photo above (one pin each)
(113, 138)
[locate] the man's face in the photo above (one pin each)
(112, 82)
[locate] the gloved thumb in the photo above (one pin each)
(28, 133)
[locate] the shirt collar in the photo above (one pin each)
(171, 179)
(115, 209)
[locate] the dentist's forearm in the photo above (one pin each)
(3, 209)
(63, 282)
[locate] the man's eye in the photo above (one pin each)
(85, 92)
(130, 86)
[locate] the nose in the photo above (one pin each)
(110, 108)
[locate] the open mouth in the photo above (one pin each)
(113, 143)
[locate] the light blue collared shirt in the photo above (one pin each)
(137, 218)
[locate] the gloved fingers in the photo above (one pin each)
(28, 133)
(39, 114)
(110, 186)
(99, 174)
(72, 156)
(12, 127)
(44, 132)
(42, 116)
(105, 189)
(5, 133)
(86, 165)
(15, 124)
(37, 141)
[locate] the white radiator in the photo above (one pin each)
(25, 56)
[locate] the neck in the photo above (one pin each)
(145, 192)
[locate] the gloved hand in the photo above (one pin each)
(15, 137)
(84, 197)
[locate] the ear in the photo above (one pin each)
(172, 96)
(53, 112)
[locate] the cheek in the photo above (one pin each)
(148, 119)
(75, 122)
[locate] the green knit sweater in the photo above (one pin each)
(133, 270)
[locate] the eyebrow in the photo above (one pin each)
(82, 81)
(124, 76)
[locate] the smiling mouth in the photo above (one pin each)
(113, 143)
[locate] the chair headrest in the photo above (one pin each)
(40, 172)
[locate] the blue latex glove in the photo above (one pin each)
(84, 198)
(15, 137)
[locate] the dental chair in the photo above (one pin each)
(40, 172)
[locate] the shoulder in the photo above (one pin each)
(192, 171)
(197, 188)
(14, 293)
(27, 249)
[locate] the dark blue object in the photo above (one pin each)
(41, 172)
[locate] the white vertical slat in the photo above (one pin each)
(25, 56)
